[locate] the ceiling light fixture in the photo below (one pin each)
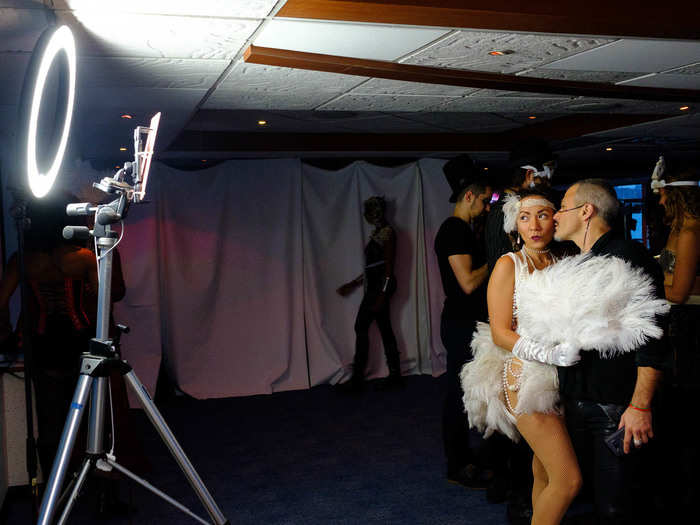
(532, 117)
(684, 108)
(126, 115)
(262, 122)
(122, 149)
(608, 148)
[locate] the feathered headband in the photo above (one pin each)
(657, 182)
(511, 208)
(546, 172)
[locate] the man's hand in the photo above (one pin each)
(638, 429)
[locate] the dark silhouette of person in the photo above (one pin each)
(379, 285)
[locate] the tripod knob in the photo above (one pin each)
(76, 232)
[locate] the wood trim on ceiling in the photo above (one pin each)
(562, 128)
(623, 18)
(459, 77)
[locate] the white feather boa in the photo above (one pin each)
(592, 302)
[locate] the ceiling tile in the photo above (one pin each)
(382, 86)
(498, 104)
(104, 34)
(141, 98)
(470, 50)
(172, 73)
(580, 76)
(615, 105)
(496, 93)
(676, 81)
(371, 41)
(643, 56)
(693, 69)
(21, 28)
(13, 67)
(353, 102)
(219, 8)
(277, 121)
(253, 86)
(466, 122)
(389, 124)
(8, 118)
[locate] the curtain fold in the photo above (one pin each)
(232, 271)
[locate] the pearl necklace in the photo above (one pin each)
(532, 250)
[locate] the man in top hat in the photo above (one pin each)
(462, 261)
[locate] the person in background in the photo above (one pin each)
(463, 271)
(63, 280)
(61, 277)
(379, 285)
(679, 195)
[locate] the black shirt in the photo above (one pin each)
(498, 242)
(455, 237)
(612, 380)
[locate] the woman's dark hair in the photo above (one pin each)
(376, 201)
(47, 218)
(681, 200)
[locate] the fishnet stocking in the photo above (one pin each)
(557, 477)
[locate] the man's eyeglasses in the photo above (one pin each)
(562, 210)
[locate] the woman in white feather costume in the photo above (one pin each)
(541, 316)
(520, 396)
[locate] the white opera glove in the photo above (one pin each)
(562, 354)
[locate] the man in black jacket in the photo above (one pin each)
(602, 395)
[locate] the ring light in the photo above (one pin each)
(60, 41)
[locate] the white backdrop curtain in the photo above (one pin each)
(232, 272)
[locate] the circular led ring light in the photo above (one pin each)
(61, 40)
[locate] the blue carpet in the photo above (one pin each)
(311, 456)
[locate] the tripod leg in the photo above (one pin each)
(76, 489)
(155, 491)
(60, 464)
(175, 449)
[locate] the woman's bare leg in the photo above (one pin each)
(540, 479)
(547, 436)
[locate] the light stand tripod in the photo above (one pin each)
(95, 367)
(19, 212)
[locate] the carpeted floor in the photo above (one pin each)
(311, 456)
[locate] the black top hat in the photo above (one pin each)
(533, 151)
(459, 172)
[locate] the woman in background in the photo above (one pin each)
(680, 260)
(379, 285)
